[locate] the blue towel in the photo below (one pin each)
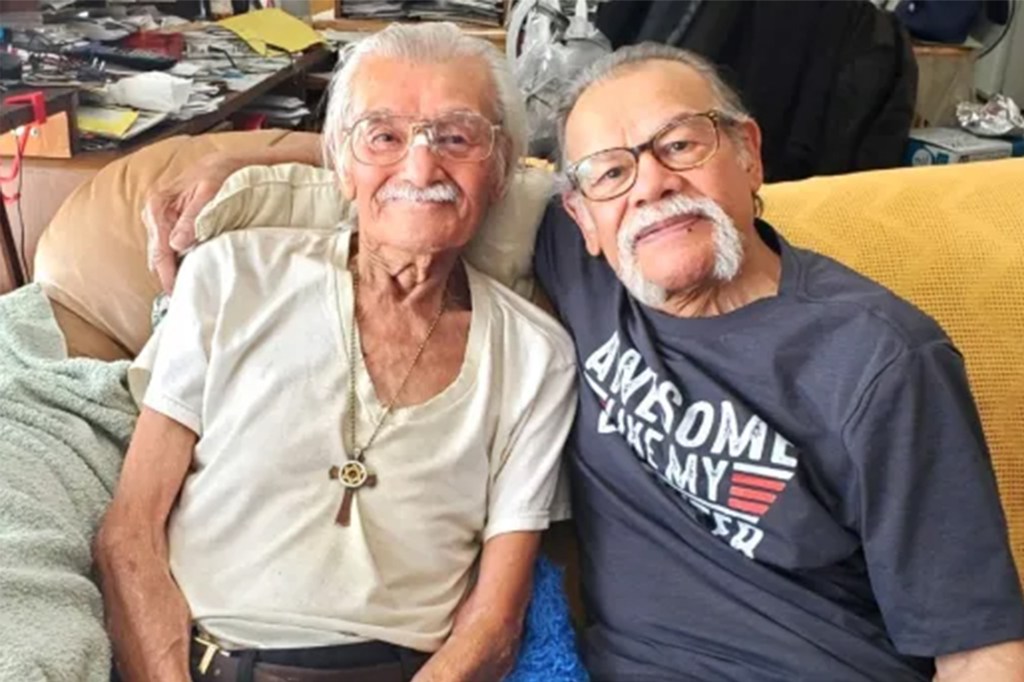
(548, 652)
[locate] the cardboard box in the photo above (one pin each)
(928, 146)
(945, 77)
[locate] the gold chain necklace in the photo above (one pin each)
(354, 474)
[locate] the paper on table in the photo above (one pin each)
(272, 28)
(106, 121)
(152, 90)
(146, 120)
(186, 69)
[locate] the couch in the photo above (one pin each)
(950, 239)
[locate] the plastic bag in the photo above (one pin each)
(554, 50)
(998, 117)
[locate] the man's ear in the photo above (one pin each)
(346, 183)
(751, 153)
(572, 202)
(499, 187)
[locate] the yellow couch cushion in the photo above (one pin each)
(950, 239)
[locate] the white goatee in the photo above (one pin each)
(727, 240)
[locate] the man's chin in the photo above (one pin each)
(672, 270)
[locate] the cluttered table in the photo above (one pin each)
(71, 102)
(164, 73)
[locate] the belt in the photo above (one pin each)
(363, 662)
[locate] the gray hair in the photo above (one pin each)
(632, 56)
(430, 43)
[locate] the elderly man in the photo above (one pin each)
(332, 477)
(778, 469)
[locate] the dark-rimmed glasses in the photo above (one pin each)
(683, 143)
(383, 139)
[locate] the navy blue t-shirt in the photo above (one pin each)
(796, 490)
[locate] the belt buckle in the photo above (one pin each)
(212, 649)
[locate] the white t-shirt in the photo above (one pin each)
(253, 357)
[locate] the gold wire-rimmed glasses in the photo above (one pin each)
(381, 139)
(685, 142)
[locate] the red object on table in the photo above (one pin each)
(36, 99)
(170, 44)
(38, 102)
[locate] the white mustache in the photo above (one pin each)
(727, 239)
(666, 209)
(437, 193)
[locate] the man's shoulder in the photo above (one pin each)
(847, 294)
(260, 253)
(562, 264)
(244, 242)
(525, 323)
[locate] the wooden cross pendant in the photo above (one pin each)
(352, 475)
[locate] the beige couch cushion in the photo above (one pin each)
(295, 195)
(92, 257)
(92, 261)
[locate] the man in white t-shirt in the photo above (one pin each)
(349, 441)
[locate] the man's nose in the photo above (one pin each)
(421, 165)
(654, 181)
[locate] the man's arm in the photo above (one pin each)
(1000, 662)
(170, 210)
(488, 625)
(926, 504)
(147, 617)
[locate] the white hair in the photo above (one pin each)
(633, 56)
(427, 43)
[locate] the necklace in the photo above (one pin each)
(354, 474)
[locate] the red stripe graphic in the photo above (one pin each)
(751, 507)
(758, 482)
(751, 494)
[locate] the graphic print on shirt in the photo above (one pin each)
(723, 460)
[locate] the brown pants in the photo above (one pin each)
(365, 662)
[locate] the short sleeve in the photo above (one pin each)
(526, 493)
(931, 523)
(181, 358)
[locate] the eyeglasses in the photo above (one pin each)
(683, 143)
(384, 139)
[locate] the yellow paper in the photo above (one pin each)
(106, 121)
(272, 29)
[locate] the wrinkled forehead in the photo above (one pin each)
(632, 105)
(422, 90)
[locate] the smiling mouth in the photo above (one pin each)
(680, 222)
(413, 203)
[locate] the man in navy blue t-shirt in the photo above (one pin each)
(778, 469)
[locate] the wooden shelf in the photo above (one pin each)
(494, 34)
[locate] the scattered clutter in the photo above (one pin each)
(135, 67)
(993, 130)
(1000, 116)
(932, 146)
(482, 12)
(551, 52)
